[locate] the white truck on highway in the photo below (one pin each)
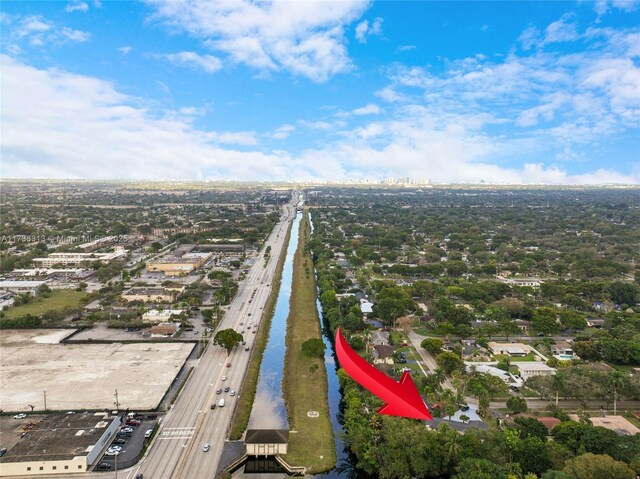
(221, 403)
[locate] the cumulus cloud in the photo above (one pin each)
(304, 38)
(37, 31)
(207, 63)
(283, 132)
(124, 50)
(363, 29)
(370, 109)
(76, 6)
(448, 126)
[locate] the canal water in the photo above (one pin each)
(268, 410)
(344, 464)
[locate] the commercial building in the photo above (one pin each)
(79, 259)
(164, 330)
(160, 315)
(174, 266)
(156, 295)
(61, 444)
(20, 287)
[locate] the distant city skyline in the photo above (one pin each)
(341, 92)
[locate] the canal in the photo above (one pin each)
(269, 411)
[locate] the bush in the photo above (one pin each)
(517, 404)
(313, 348)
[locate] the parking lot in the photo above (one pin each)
(131, 447)
(84, 376)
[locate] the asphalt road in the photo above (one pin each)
(177, 449)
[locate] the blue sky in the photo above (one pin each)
(500, 92)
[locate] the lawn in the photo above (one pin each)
(305, 385)
(515, 359)
(250, 383)
(57, 300)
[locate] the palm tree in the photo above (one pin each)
(617, 380)
(557, 384)
(439, 376)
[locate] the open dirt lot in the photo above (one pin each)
(78, 376)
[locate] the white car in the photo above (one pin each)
(148, 433)
(112, 453)
(224, 378)
(206, 446)
(232, 393)
(20, 416)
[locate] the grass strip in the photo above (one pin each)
(305, 383)
(250, 382)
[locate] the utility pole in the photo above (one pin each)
(44, 394)
(117, 403)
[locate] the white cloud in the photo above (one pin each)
(390, 94)
(38, 31)
(74, 35)
(283, 132)
(63, 125)
(124, 50)
(563, 30)
(304, 38)
(77, 6)
(603, 6)
(529, 37)
(370, 109)
(59, 124)
(208, 63)
(363, 29)
(405, 48)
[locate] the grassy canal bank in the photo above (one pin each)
(250, 383)
(305, 378)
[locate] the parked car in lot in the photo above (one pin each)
(119, 440)
(103, 466)
(464, 407)
(148, 433)
(20, 416)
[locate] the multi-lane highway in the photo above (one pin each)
(177, 451)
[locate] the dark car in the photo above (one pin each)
(119, 440)
(213, 406)
(227, 389)
(218, 391)
(464, 407)
(247, 348)
(139, 476)
(103, 466)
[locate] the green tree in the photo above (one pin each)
(558, 383)
(617, 380)
(449, 361)
(534, 456)
(313, 348)
(572, 320)
(544, 321)
(517, 404)
(531, 427)
(432, 345)
(228, 339)
(598, 466)
(472, 468)
(623, 293)
(587, 350)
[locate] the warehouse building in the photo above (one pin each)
(61, 444)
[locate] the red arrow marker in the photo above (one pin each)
(402, 399)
